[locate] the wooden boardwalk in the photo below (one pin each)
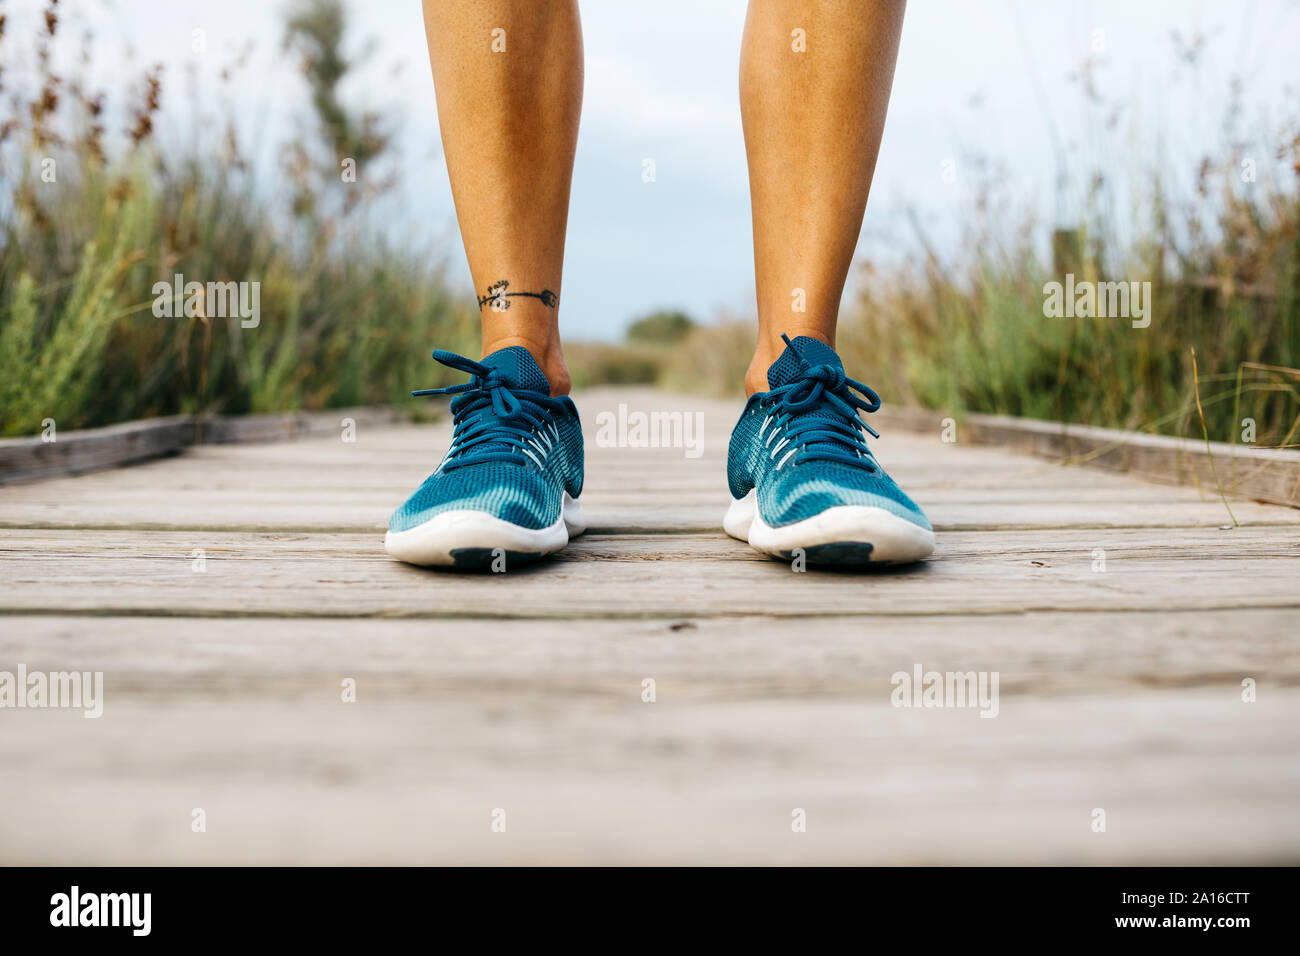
(227, 595)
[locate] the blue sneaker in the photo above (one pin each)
(802, 476)
(510, 481)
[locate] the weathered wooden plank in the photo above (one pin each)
(185, 475)
(1043, 654)
(292, 426)
(320, 493)
(80, 451)
(1263, 474)
(74, 452)
(1138, 541)
(622, 576)
(306, 512)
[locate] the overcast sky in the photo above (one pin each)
(991, 78)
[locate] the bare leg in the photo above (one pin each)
(508, 77)
(812, 123)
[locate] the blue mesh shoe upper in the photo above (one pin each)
(801, 444)
(514, 449)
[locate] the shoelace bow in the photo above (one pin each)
(837, 437)
(491, 419)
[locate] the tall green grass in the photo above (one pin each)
(345, 318)
(966, 331)
(971, 335)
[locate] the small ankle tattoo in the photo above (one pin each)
(498, 299)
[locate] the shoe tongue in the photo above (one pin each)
(516, 366)
(788, 367)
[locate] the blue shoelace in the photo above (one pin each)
(836, 434)
(493, 420)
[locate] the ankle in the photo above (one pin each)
(756, 375)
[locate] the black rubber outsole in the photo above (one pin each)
(482, 559)
(842, 553)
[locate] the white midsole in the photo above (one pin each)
(433, 542)
(893, 539)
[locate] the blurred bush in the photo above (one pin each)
(660, 328)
